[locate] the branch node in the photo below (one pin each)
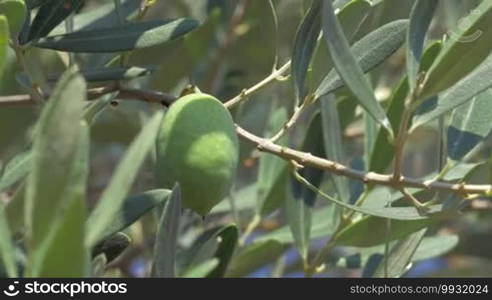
(305, 158)
(462, 190)
(428, 183)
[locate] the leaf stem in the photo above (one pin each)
(410, 105)
(253, 224)
(292, 121)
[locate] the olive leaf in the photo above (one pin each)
(114, 195)
(348, 67)
(50, 14)
(123, 38)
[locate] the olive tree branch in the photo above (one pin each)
(26, 99)
(288, 154)
(307, 159)
(95, 93)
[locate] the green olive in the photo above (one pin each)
(197, 147)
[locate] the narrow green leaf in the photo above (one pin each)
(4, 42)
(276, 194)
(191, 54)
(16, 169)
(323, 225)
(300, 200)
(352, 15)
(466, 49)
(400, 256)
(227, 241)
(304, 46)
(167, 237)
(332, 138)
(370, 51)
(394, 213)
(383, 150)
(383, 153)
(202, 269)
(430, 247)
(54, 151)
(114, 195)
(435, 246)
(420, 20)
(370, 136)
(254, 256)
(14, 210)
(112, 247)
(371, 265)
(219, 242)
(24, 30)
(67, 241)
(460, 171)
(98, 266)
(7, 248)
(273, 171)
(31, 4)
(65, 238)
(338, 4)
(371, 231)
(93, 110)
(348, 67)
(244, 199)
(132, 209)
(15, 11)
(115, 73)
(470, 124)
(49, 15)
(105, 16)
(463, 91)
(125, 38)
(347, 106)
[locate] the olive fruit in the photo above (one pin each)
(197, 147)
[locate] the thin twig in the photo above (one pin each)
(276, 34)
(265, 82)
(253, 224)
(412, 198)
(146, 96)
(26, 99)
(410, 106)
(292, 121)
(400, 144)
(95, 93)
(317, 265)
